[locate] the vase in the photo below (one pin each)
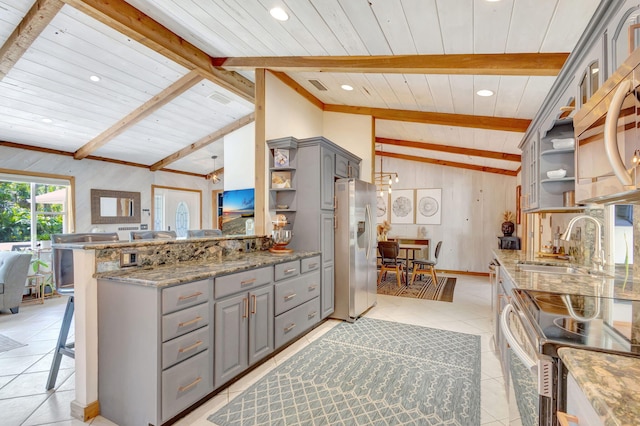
(508, 228)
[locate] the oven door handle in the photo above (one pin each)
(529, 362)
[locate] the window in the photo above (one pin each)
(32, 208)
(182, 219)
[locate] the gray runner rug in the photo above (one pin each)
(371, 372)
(6, 343)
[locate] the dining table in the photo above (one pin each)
(412, 248)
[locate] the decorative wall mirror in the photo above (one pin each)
(114, 206)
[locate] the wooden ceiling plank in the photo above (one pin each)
(207, 140)
(33, 23)
(525, 64)
(459, 120)
(452, 149)
(130, 21)
(448, 163)
(294, 85)
(167, 95)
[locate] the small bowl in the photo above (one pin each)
(556, 174)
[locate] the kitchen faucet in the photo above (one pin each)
(598, 255)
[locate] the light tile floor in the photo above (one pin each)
(24, 371)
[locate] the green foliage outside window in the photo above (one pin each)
(15, 212)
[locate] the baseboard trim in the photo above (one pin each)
(477, 274)
(85, 413)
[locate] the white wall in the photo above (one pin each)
(102, 175)
(239, 158)
(472, 207)
(353, 133)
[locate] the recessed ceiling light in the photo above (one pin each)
(346, 87)
(47, 120)
(484, 92)
(94, 78)
(279, 14)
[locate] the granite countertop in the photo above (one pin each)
(609, 285)
(610, 383)
(161, 276)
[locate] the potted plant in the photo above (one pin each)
(508, 227)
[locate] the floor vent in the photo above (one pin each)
(318, 85)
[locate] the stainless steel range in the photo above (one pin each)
(536, 324)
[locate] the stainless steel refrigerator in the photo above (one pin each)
(355, 248)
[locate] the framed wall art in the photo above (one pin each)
(402, 210)
(429, 206)
(382, 207)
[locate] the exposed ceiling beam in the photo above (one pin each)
(448, 163)
(130, 21)
(294, 85)
(33, 23)
(152, 105)
(452, 149)
(209, 139)
(91, 157)
(537, 64)
(459, 120)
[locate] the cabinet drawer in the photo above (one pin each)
(294, 291)
(242, 281)
(185, 295)
(184, 347)
(184, 321)
(287, 270)
(185, 383)
(309, 264)
(296, 321)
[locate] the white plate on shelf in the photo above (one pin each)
(565, 143)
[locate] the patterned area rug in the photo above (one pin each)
(371, 372)
(6, 343)
(420, 289)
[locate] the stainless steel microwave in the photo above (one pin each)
(608, 139)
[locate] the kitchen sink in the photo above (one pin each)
(551, 269)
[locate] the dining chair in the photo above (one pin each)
(199, 233)
(153, 235)
(389, 251)
(426, 266)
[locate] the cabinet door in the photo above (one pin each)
(533, 172)
(260, 323)
(342, 166)
(231, 337)
(327, 172)
(354, 169)
(327, 249)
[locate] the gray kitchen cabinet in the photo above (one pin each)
(297, 298)
(313, 228)
(346, 167)
(578, 405)
(155, 350)
(244, 318)
(282, 175)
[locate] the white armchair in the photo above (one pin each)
(14, 268)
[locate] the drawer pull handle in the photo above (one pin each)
(313, 265)
(312, 314)
(246, 282)
(313, 287)
(190, 385)
(245, 302)
(193, 321)
(188, 348)
(289, 297)
(291, 327)
(290, 270)
(255, 304)
(564, 419)
(191, 296)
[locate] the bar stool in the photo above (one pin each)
(62, 260)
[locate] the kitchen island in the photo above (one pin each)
(576, 315)
(153, 268)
